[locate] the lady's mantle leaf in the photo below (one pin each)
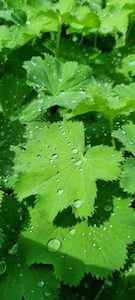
(32, 283)
(127, 180)
(58, 83)
(56, 168)
(126, 136)
(98, 250)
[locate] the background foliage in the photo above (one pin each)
(67, 147)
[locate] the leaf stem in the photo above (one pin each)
(82, 39)
(58, 39)
(111, 129)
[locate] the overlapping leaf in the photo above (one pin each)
(100, 250)
(106, 100)
(20, 281)
(128, 65)
(14, 97)
(57, 83)
(56, 168)
(126, 136)
(83, 20)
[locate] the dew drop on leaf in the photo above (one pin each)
(74, 151)
(108, 207)
(40, 283)
(59, 192)
(3, 267)
(72, 231)
(77, 203)
(62, 93)
(53, 245)
(54, 156)
(78, 162)
(47, 294)
(13, 250)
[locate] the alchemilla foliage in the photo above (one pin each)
(67, 150)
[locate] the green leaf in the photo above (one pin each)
(58, 83)
(5, 14)
(19, 17)
(98, 250)
(40, 20)
(127, 181)
(128, 65)
(14, 97)
(116, 289)
(10, 134)
(33, 282)
(59, 171)
(1, 195)
(65, 7)
(83, 20)
(114, 18)
(126, 135)
(108, 101)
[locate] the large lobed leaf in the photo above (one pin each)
(82, 247)
(58, 83)
(55, 167)
(32, 283)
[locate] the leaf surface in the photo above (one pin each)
(59, 171)
(100, 250)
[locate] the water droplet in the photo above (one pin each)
(78, 162)
(72, 231)
(69, 144)
(131, 143)
(13, 250)
(60, 79)
(62, 93)
(77, 203)
(82, 92)
(28, 23)
(33, 63)
(54, 156)
(3, 267)
(60, 192)
(132, 63)
(19, 265)
(40, 283)
(70, 268)
(74, 151)
(53, 245)
(108, 207)
(47, 294)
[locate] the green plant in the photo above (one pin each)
(67, 165)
